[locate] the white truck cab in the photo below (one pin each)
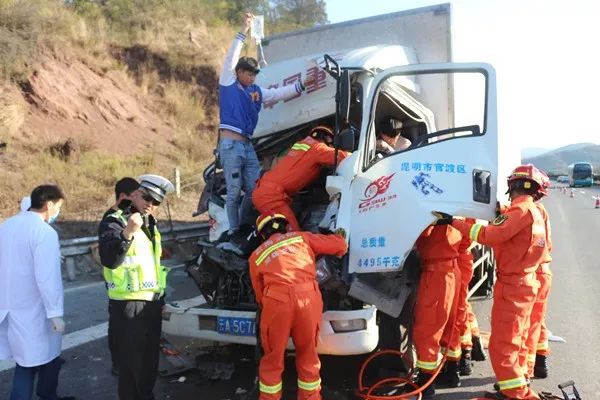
(383, 201)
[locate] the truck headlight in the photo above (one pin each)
(349, 325)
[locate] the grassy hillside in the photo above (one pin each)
(90, 93)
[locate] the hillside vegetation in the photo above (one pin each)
(91, 91)
(556, 162)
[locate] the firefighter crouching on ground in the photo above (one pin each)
(300, 166)
(436, 303)
(537, 340)
(130, 250)
(283, 274)
(518, 237)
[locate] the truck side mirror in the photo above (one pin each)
(345, 140)
(344, 96)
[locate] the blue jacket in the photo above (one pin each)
(239, 106)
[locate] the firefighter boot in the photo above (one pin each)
(465, 365)
(449, 376)
(540, 370)
(477, 353)
(422, 379)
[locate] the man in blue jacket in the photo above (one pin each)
(240, 101)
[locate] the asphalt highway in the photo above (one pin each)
(574, 315)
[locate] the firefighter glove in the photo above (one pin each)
(442, 218)
(340, 232)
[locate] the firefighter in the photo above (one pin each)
(283, 275)
(537, 339)
(518, 237)
(470, 336)
(455, 347)
(301, 166)
(436, 304)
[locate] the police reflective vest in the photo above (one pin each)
(140, 276)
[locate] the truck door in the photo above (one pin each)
(448, 112)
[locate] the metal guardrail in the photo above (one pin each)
(81, 246)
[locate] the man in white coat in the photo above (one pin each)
(31, 295)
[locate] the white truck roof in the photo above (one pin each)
(318, 102)
(377, 42)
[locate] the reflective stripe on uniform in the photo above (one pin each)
(474, 231)
(465, 338)
(301, 147)
(542, 346)
(428, 365)
(531, 357)
(309, 386)
(512, 383)
(140, 275)
(269, 250)
(454, 353)
(270, 389)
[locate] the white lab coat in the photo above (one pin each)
(31, 290)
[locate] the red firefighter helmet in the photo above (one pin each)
(271, 219)
(543, 190)
(526, 177)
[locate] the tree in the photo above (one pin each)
(288, 15)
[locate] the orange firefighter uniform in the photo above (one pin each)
(518, 237)
(469, 329)
(301, 165)
(283, 275)
(436, 301)
(465, 265)
(537, 340)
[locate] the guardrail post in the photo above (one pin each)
(70, 265)
(177, 182)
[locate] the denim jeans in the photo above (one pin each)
(47, 383)
(241, 169)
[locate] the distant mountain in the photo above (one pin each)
(556, 161)
(533, 151)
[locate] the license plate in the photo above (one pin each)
(236, 326)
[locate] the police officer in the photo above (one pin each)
(130, 250)
(123, 190)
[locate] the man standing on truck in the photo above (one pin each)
(435, 308)
(130, 250)
(300, 166)
(518, 237)
(240, 101)
(283, 274)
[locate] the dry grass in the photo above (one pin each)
(33, 29)
(12, 111)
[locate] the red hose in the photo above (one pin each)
(366, 392)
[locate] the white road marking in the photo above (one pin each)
(84, 286)
(71, 340)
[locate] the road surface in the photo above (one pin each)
(574, 314)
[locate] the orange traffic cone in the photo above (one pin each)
(572, 193)
(597, 204)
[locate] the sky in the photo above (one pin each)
(545, 53)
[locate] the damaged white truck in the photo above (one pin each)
(397, 65)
